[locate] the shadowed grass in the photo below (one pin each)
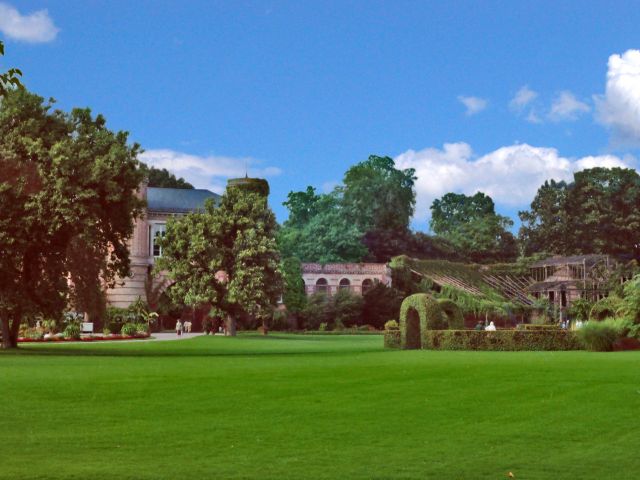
(290, 406)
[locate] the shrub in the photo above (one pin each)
(129, 329)
(392, 339)
(391, 325)
(501, 340)
(279, 320)
(347, 308)
(579, 309)
(453, 314)
(380, 304)
(604, 308)
(533, 326)
(323, 327)
(72, 331)
(142, 328)
(597, 336)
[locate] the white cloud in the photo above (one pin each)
(619, 107)
(208, 172)
(567, 107)
(36, 27)
(473, 104)
(510, 175)
(522, 98)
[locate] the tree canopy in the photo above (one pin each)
(67, 190)
(10, 79)
(599, 212)
(225, 257)
(367, 217)
(471, 225)
(163, 178)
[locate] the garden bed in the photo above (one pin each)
(92, 338)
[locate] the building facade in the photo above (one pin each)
(561, 280)
(355, 277)
(162, 203)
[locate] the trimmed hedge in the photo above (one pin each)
(453, 313)
(432, 315)
(392, 339)
(422, 305)
(501, 340)
(532, 326)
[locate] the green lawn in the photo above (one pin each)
(336, 407)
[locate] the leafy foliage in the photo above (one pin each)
(453, 313)
(605, 308)
(10, 79)
(163, 178)
(225, 257)
(67, 187)
(472, 226)
(294, 295)
(600, 336)
(380, 304)
(597, 213)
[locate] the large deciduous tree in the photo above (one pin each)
(599, 212)
(67, 190)
(318, 230)
(472, 226)
(380, 200)
(226, 257)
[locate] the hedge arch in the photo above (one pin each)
(453, 313)
(419, 313)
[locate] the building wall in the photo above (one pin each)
(128, 290)
(333, 273)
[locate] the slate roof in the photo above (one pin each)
(178, 200)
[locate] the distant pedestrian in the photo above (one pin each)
(491, 327)
(187, 326)
(479, 326)
(179, 327)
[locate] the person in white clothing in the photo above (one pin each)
(178, 327)
(490, 328)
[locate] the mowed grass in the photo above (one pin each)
(336, 407)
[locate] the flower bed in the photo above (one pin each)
(92, 338)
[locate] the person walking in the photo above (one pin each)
(179, 327)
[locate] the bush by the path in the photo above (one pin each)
(501, 340)
(453, 313)
(392, 339)
(600, 336)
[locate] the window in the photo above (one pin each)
(345, 284)
(157, 231)
(322, 285)
(367, 284)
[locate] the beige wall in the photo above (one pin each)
(356, 273)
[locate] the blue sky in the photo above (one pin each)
(490, 96)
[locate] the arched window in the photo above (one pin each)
(367, 284)
(345, 284)
(322, 285)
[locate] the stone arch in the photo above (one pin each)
(322, 285)
(345, 284)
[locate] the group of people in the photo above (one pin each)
(487, 328)
(183, 327)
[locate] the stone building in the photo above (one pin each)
(355, 277)
(161, 204)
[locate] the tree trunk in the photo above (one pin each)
(231, 326)
(10, 332)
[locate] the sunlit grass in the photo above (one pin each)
(294, 406)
